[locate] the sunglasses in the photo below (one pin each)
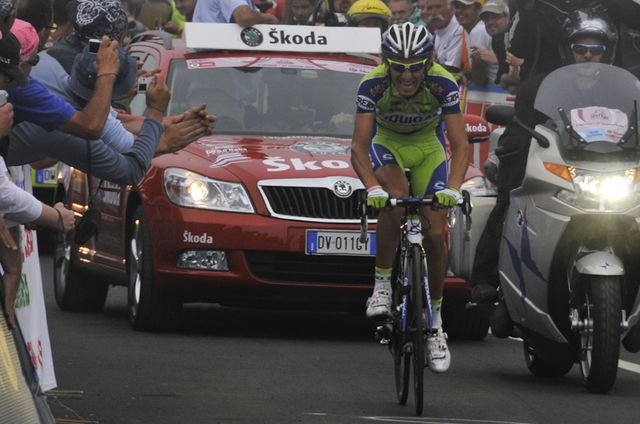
(594, 49)
(411, 67)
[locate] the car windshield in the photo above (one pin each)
(593, 107)
(269, 96)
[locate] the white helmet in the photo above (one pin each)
(407, 41)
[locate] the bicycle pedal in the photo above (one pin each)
(383, 333)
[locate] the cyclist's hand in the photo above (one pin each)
(448, 197)
(377, 197)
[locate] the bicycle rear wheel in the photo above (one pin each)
(401, 356)
(417, 324)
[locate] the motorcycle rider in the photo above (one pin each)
(400, 107)
(588, 36)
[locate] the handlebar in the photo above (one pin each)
(464, 204)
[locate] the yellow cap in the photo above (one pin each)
(364, 9)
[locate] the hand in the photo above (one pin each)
(12, 269)
(447, 198)
(5, 236)
(171, 27)
(6, 119)
(158, 94)
(272, 19)
(485, 55)
(514, 60)
(107, 59)
(377, 197)
(182, 132)
(68, 218)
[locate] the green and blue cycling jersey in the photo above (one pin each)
(409, 131)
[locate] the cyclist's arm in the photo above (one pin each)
(362, 133)
(459, 149)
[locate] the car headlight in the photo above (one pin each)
(186, 188)
(478, 186)
(600, 192)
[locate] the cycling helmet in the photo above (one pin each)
(369, 9)
(407, 41)
(590, 23)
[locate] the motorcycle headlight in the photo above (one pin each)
(188, 189)
(599, 192)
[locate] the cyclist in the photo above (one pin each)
(369, 13)
(401, 106)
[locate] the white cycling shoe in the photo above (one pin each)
(437, 352)
(379, 304)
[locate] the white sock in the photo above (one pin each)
(382, 280)
(436, 308)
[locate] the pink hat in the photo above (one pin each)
(27, 36)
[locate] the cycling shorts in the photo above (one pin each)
(422, 152)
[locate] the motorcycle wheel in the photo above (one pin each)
(599, 343)
(544, 367)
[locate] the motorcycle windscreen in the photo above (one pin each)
(593, 107)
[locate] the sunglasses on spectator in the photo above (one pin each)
(594, 49)
(411, 67)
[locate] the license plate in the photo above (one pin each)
(340, 243)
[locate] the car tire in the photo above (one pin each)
(74, 290)
(462, 323)
(150, 308)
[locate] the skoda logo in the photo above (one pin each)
(251, 37)
(342, 189)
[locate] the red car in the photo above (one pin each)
(262, 213)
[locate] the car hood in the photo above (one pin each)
(276, 157)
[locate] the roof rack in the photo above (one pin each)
(155, 35)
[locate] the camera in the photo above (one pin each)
(143, 83)
(3, 97)
(94, 45)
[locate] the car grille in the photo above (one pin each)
(313, 202)
(315, 269)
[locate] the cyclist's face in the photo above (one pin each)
(408, 81)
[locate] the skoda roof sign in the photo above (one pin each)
(285, 38)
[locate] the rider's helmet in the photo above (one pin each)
(407, 41)
(369, 9)
(590, 23)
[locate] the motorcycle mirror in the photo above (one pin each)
(500, 114)
(504, 115)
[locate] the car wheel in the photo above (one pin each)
(149, 307)
(74, 291)
(462, 323)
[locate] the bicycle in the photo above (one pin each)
(411, 319)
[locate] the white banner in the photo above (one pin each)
(283, 38)
(30, 308)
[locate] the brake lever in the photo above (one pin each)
(466, 209)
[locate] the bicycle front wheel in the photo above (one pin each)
(418, 324)
(401, 356)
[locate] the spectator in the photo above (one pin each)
(61, 23)
(186, 8)
(401, 10)
(443, 24)
(474, 36)
(15, 203)
(30, 143)
(38, 13)
(241, 12)
(495, 15)
(342, 6)
(298, 12)
(7, 15)
(369, 13)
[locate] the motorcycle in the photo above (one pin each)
(568, 267)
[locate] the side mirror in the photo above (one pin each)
(476, 127)
(504, 115)
(500, 115)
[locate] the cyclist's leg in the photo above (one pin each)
(429, 176)
(390, 174)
